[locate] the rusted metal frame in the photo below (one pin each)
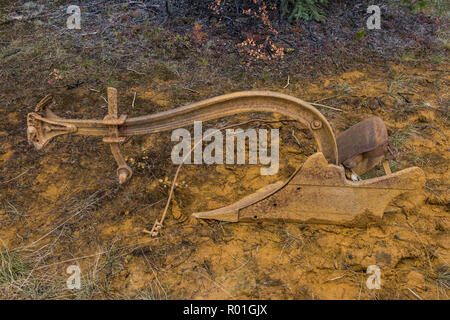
(42, 129)
(124, 172)
(317, 192)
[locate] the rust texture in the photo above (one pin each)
(318, 192)
(364, 145)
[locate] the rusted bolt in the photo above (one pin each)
(123, 175)
(316, 124)
(32, 132)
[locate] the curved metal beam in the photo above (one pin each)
(41, 129)
(240, 102)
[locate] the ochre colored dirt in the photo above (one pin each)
(75, 213)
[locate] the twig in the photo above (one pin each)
(154, 273)
(325, 106)
(379, 102)
(215, 282)
(360, 290)
(14, 209)
(134, 98)
(337, 96)
(287, 84)
(192, 90)
(11, 53)
(5, 182)
(89, 33)
(404, 98)
(141, 73)
(296, 139)
(242, 265)
(336, 278)
(415, 294)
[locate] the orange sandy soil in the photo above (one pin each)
(64, 206)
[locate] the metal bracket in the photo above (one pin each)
(124, 172)
(42, 129)
(43, 125)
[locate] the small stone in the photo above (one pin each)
(383, 257)
(136, 13)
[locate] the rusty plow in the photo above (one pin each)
(325, 189)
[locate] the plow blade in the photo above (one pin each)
(320, 193)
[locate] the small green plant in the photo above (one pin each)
(442, 277)
(303, 9)
(12, 267)
(112, 83)
(408, 56)
(415, 5)
(399, 138)
(360, 34)
(342, 88)
(437, 7)
(86, 63)
(438, 59)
